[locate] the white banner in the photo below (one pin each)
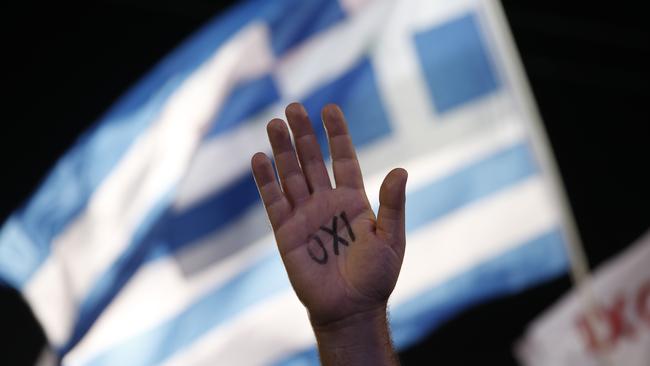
(616, 332)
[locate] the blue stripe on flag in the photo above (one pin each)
(305, 357)
(455, 63)
(244, 101)
(18, 257)
(210, 215)
(513, 163)
(507, 273)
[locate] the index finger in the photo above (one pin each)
(276, 203)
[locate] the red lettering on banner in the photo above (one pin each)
(588, 334)
(606, 327)
(643, 302)
(618, 323)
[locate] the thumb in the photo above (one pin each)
(392, 199)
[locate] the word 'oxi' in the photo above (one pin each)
(336, 239)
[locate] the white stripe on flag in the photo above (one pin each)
(148, 171)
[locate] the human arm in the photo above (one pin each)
(342, 261)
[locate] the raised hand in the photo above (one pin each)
(342, 261)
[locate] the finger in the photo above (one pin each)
(345, 165)
(309, 154)
(276, 203)
(291, 177)
(392, 201)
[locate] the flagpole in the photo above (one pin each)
(541, 145)
(579, 266)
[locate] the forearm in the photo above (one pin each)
(363, 339)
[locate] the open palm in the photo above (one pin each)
(341, 259)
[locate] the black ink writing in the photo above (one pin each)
(335, 235)
(336, 238)
(321, 260)
(347, 225)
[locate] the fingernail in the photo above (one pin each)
(302, 109)
(296, 109)
(334, 111)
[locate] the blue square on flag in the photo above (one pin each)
(455, 63)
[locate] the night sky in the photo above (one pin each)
(588, 68)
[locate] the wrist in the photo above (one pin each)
(359, 339)
(372, 317)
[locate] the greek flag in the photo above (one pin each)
(147, 243)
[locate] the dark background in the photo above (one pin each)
(587, 65)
